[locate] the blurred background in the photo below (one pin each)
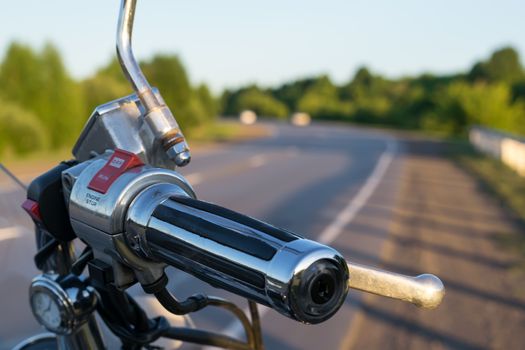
(296, 112)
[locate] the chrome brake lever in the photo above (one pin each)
(426, 290)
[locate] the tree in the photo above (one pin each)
(107, 84)
(291, 93)
(225, 103)
(261, 103)
(114, 71)
(20, 130)
(167, 73)
(20, 75)
(503, 66)
(518, 91)
(490, 105)
(208, 102)
(361, 84)
(40, 83)
(371, 96)
(100, 89)
(460, 105)
(363, 77)
(321, 100)
(61, 99)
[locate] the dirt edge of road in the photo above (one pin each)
(445, 223)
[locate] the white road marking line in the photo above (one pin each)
(253, 162)
(7, 233)
(332, 231)
(348, 214)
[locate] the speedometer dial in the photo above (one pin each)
(47, 310)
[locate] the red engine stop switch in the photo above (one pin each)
(120, 162)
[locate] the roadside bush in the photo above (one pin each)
(101, 89)
(40, 83)
(324, 107)
(492, 94)
(261, 103)
(20, 130)
(321, 100)
(210, 105)
(481, 104)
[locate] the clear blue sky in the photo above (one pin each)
(229, 43)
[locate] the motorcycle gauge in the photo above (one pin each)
(60, 304)
(47, 310)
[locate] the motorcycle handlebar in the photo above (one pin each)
(300, 278)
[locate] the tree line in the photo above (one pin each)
(491, 93)
(43, 107)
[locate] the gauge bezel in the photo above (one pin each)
(48, 285)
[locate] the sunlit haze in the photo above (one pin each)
(229, 43)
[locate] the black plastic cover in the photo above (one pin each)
(47, 191)
(247, 244)
(279, 233)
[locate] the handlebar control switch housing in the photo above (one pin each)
(140, 219)
(123, 124)
(98, 194)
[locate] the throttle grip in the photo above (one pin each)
(300, 278)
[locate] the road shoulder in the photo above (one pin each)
(445, 224)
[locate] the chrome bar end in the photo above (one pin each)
(425, 291)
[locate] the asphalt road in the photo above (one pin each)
(336, 184)
(301, 179)
(306, 180)
(446, 222)
(382, 200)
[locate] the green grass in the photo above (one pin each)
(514, 242)
(501, 181)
